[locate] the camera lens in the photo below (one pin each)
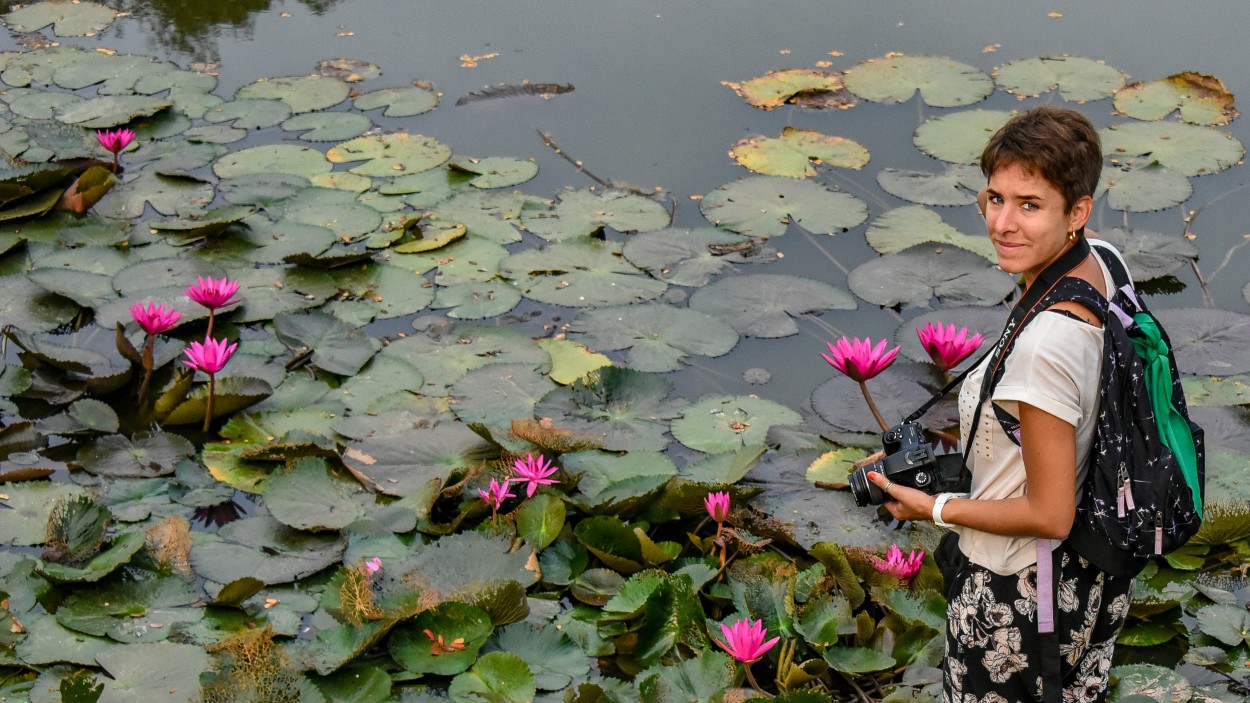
(864, 491)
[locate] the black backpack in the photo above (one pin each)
(1143, 494)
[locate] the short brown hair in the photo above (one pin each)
(1055, 143)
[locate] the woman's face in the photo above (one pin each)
(1027, 220)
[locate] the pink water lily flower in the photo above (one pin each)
(946, 346)
(534, 471)
(744, 640)
(210, 356)
(211, 293)
(717, 505)
(115, 140)
(155, 318)
(895, 564)
(859, 360)
(373, 565)
(496, 494)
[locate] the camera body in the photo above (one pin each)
(909, 461)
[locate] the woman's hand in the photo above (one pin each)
(905, 503)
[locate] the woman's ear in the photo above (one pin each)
(1080, 213)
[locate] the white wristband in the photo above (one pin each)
(938, 504)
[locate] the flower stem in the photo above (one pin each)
(863, 387)
(210, 323)
(115, 164)
(754, 683)
(148, 347)
(208, 410)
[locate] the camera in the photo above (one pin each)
(910, 461)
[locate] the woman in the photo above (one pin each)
(1042, 168)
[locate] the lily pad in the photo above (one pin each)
(30, 307)
(300, 93)
(309, 498)
(1188, 149)
(328, 126)
(1137, 185)
(1151, 254)
(908, 226)
(448, 350)
(400, 465)
(586, 211)
(627, 409)
(337, 347)
(123, 547)
(496, 395)
(764, 305)
(687, 257)
(111, 111)
(581, 272)
(958, 184)
(722, 423)
(498, 676)
(942, 82)
(454, 622)
(617, 485)
(263, 548)
(399, 102)
(916, 275)
(554, 659)
(141, 456)
(492, 215)
(806, 87)
(232, 394)
(797, 151)
(31, 502)
(896, 392)
(391, 154)
(960, 137)
(1151, 682)
(134, 678)
(1077, 78)
(763, 206)
(38, 104)
(1208, 342)
(166, 195)
(477, 300)
(495, 171)
(658, 337)
(1201, 99)
(273, 158)
(78, 19)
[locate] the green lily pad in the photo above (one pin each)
(117, 72)
(337, 347)
(469, 566)
(795, 153)
(1201, 99)
(140, 456)
(1151, 254)
(1142, 187)
(215, 134)
(492, 215)
(540, 520)
(942, 82)
(464, 261)
(206, 224)
(623, 548)
(435, 234)
(857, 660)
(586, 211)
(262, 189)
(918, 274)
(764, 305)
(300, 93)
(497, 394)
(497, 676)
(328, 126)
(582, 272)
(134, 678)
(111, 110)
(30, 307)
(388, 155)
(454, 622)
(1226, 622)
(957, 184)
(268, 292)
(175, 157)
(658, 337)
(803, 86)
(762, 206)
(1216, 391)
(449, 350)
(627, 409)
(38, 104)
(896, 391)
(699, 678)
(571, 361)
(477, 300)
(249, 114)
(129, 610)
(908, 226)
(495, 171)
(342, 180)
(400, 465)
(263, 548)
(399, 102)
(687, 257)
(79, 19)
(960, 137)
(48, 642)
(232, 394)
(815, 515)
(309, 498)
(123, 547)
(1077, 78)
(1208, 342)
(84, 416)
(552, 657)
(31, 502)
(722, 423)
(166, 193)
(273, 159)
(1188, 149)
(618, 484)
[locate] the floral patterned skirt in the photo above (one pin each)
(994, 653)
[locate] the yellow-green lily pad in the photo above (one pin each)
(942, 82)
(1199, 98)
(797, 151)
(1077, 78)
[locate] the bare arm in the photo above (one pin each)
(1046, 510)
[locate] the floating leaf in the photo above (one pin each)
(1208, 342)
(942, 82)
(629, 410)
(897, 393)
(25, 524)
(328, 126)
(454, 622)
(399, 102)
(857, 660)
(205, 224)
(273, 158)
(582, 212)
(618, 485)
(123, 547)
(111, 110)
(581, 272)
(1201, 99)
(764, 305)
(1077, 78)
(308, 497)
(688, 257)
(166, 194)
(30, 307)
(300, 93)
(806, 87)
(149, 455)
(79, 19)
(960, 137)
(658, 337)
(337, 347)
(263, 548)
(762, 206)
(477, 300)
(908, 226)
(1151, 682)
(391, 154)
(497, 394)
(400, 465)
(1188, 149)
(249, 114)
(722, 423)
(497, 676)
(134, 678)
(1133, 186)
(796, 151)
(815, 515)
(1151, 254)
(38, 104)
(551, 655)
(446, 351)
(350, 70)
(958, 184)
(916, 275)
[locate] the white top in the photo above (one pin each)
(1054, 366)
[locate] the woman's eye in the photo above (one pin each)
(1030, 206)
(996, 199)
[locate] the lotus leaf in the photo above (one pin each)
(38, 66)
(762, 206)
(116, 455)
(492, 215)
(34, 206)
(764, 305)
(83, 416)
(722, 423)
(308, 497)
(111, 111)
(383, 375)
(118, 72)
(497, 394)
(908, 226)
(179, 82)
(621, 547)
(478, 300)
(959, 137)
(806, 87)
(583, 212)
(834, 466)
(814, 514)
(469, 565)
(1151, 254)
(415, 650)
(795, 153)
(28, 306)
(402, 464)
(339, 644)
(448, 350)
(942, 82)
(166, 193)
(269, 292)
(337, 348)
(1141, 187)
(658, 337)
(327, 126)
(540, 520)
(1077, 78)
(48, 642)
(555, 660)
(464, 261)
(273, 158)
(123, 547)
(957, 184)
(134, 677)
(571, 361)
(628, 409)
(214, 134)
(916, 275)
(1188, 149)
(300, 93)
(356, 683)
(126, 611)
(249, 114)
(263, 548)
(262, 189)
(1201, 99)
(199, 225)
(194, 104)
(581, 272)
(399, 102)
(857, 660)
(78, 19)
(1208, 342)
(31, 502)
(700, 678)
(495, 171)
(391, 154)
(1216, 391)
(38, 104)
(686, 257)
(497, 676)
(617, 484)
(436, 234)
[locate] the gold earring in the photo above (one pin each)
(1072, 236)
